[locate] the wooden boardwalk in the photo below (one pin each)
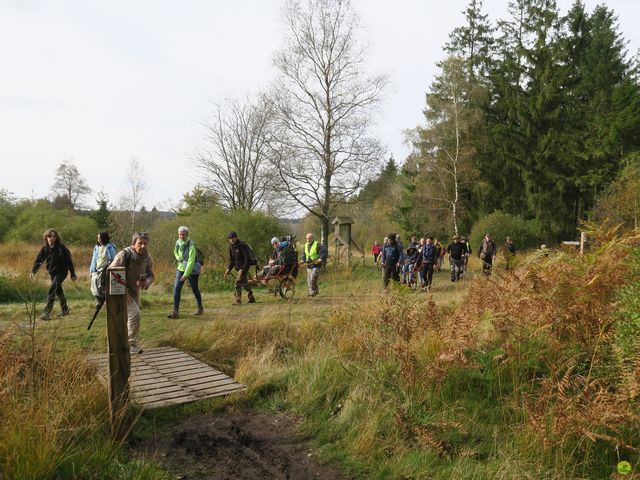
(167, 376)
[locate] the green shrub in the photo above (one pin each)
(525, 233)
(38, 216)
(209, 230)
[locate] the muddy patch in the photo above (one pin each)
(234, 446)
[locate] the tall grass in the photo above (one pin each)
(54, 414)
(535, 374)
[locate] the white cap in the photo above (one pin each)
(183, 229)
(275, 240)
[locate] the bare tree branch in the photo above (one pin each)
(325, 105)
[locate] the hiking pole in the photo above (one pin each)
(95, 314)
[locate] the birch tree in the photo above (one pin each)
(323, 151)
(444, 146)
(136, 187)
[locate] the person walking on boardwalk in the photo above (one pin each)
(240, 258)
(57, 259)
(103, 254)
(186, 254)
(314, 256)
(138, 265)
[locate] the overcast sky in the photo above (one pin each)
(101, 81)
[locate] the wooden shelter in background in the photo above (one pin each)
(344, 240)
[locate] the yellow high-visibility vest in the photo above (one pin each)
(311, 253)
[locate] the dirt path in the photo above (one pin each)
(234, 446)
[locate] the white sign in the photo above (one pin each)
(117, 282)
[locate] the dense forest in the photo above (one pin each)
(533, 116)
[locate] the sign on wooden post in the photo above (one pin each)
(118, 349)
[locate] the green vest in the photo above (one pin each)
(311, 253)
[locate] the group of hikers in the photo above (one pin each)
(138, 264)
(421, 258)
(414, 264)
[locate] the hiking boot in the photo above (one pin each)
(251, 300)
(173, 314)
(45, 315)
(200, 311)
(64, 312)
(135, 349)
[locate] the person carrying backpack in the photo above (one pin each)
(392, 255)
(103, 253)
(138, 264)
(487, 253)
(189, 266)
(428, 253)
(240, 258)
(57, 259)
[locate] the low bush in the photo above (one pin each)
(525, 233)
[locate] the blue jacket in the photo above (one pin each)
(391, 253)
(111, 252)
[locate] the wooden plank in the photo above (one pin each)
(164, 390)
(181, 371)
(153, 398)
(212, 385)
(197, 374)
(166, 376)
(198, 380)
(218, 393)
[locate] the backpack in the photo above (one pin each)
(199, 253)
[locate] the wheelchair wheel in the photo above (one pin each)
(287, 288)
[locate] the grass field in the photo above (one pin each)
(513, 376)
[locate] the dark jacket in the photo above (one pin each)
(284, 254)
(428, 253)
(457, 250)
(487, 249)
(391, 253)
(239, 256)
(57, 260)
(412, 255)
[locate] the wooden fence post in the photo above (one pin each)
(118, 350)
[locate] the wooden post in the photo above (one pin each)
(583, 238)
(118, 350)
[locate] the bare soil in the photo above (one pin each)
(234, 446)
